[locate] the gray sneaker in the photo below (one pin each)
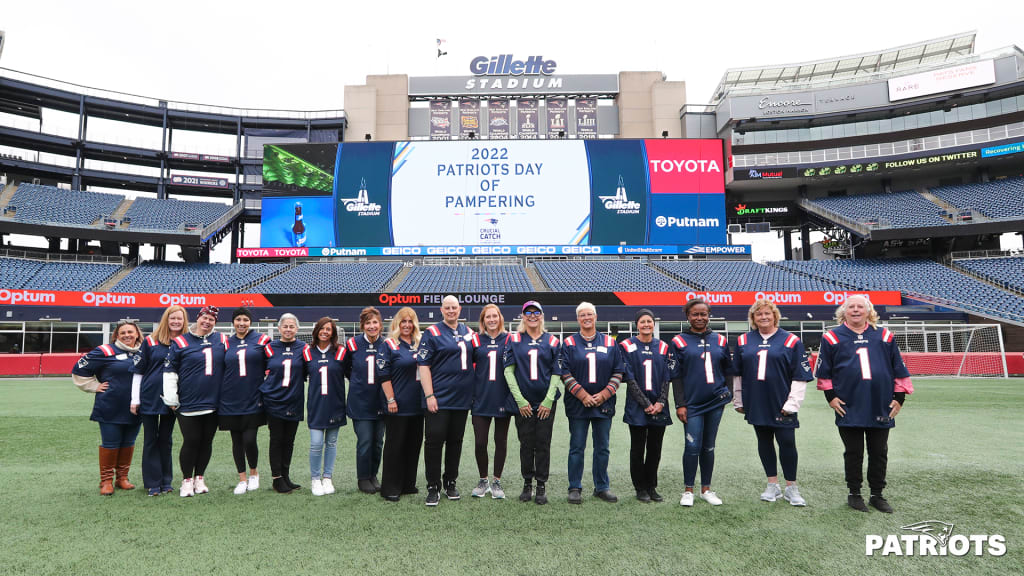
(497, 492)
(771, 493)
(481, 488)
(792, 495)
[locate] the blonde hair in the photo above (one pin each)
(501, 318)
(396, 331)
(162, 332)
(764, 303)
(586, 306)
(872, 315)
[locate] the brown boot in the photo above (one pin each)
(108, 462)
(124, 462)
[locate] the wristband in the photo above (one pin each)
(428, 396)
(391, 400)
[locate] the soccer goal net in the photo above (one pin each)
(952, 350)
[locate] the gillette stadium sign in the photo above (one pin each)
(507, 75)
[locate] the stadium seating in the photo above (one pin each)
(1007, 272)
(158, 277)
(18, 273)
(907, 209)
(914, 277)
(331, 278)
(739, 276)
(51, 205)
(153, 214)
(599, 276)
(489, 278)
(996, 199)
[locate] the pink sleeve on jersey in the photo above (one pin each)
(824, 383)
(904, 385)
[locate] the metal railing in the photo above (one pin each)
(33, 255)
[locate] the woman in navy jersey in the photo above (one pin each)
(771, 375)
(325, 405)
(531, 372)
(107, 372)
(592, 369)
(861, 371)
(702, 363)
(240, 411)
(648, 373)
(193, 374)
(282, 392)
(157, 418)
(403, 398)
(364, 402)
(490, 399)
(445, 357)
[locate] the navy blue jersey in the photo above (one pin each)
(110, 364)
(199, 363)
(402, 369)
(647, 364)
(449, 354)
(151, 365)
(535, 362)
(361, 368)
(490, 395)
(702, 364)
(283, 388)
(592, 363)
(245, 363)
(325, 406)
(863, 369)
(768, 367)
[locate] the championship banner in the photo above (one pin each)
(586, 117)
(498, 119)
(469, 118)
(557, 117)
(440, 120)
(526, 118)
(199, 181)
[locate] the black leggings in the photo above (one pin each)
(282, 442)
(243, 445)
(645, 455)
(443, 431)
(481, 427)
(877, 442)
(786, 437)
(197, 434)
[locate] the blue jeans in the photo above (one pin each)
(701, 432)
(600, 429)
(369, 445)
(114, 436)
(321, 459)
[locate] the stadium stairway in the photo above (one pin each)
(122, 208)
(831, 216)
(6, 195)
(538, 283)
(114, 278)
(392, 285)
(981, 278)
(248, 287)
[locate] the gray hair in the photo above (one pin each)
(288, 316)
(586, 306)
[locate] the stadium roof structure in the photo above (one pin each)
(846, 69)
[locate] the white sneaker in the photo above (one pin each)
(318, 487)
(687, 499)
(481, 489)
(186, 488)
(793, 496)
(241, 488)
(327, 485)
(253, 484)
(711, 498)
(201, 485)
(772, 492)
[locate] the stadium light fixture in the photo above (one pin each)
(664, 133)
(561, 134)
(472, 135)
(368, 136)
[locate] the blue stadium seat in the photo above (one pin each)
(192, 278)
(36, 203)
(332, 278)
(40, 275)
(600, 276)
(998, 199)
(907, 209)
(153, 214)
(488, 278)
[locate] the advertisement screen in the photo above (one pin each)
(495, 193)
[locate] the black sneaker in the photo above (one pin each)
(879, 503)
(451, 492)
(433, 496)
(655, 497)
(280, 486)
(575, 496)
(365, 486)
(542, 494)
(607, 496)
(527, 494)
(643, 495)
(856, 502)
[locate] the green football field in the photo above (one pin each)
(956, 455)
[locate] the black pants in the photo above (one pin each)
(197, 434)
(243, 445)
(645, 455)
(877, 440)
(282, 443)
(535, 445)
(403, 437)
(481, 428)
(443, 429)
(786, 437)
(157, 443)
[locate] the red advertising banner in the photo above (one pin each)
(685, 166)
(117, 300)
(271, 252)
(890, 298)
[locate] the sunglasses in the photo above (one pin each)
(533, 313)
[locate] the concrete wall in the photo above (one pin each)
(649, 105)
(379, 108)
